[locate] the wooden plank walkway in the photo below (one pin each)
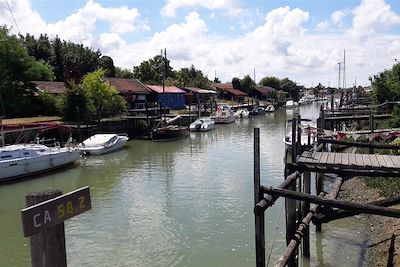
(357, 117)
(369, 131)
(350, 164)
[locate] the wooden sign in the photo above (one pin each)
(54, 211)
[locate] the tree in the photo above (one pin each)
(290, 87)
(107, 64)
(247, 84)
(236, 83)
(18, 70)
(123, 73)
(191, 77)
(386, 85)
(272, 82)
(152, 70)
(102, 97)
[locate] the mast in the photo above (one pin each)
(339, 76)
(164, 63)
(344, 69)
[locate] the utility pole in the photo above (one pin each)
(339, 63)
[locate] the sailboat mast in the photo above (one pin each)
(344, 69)
(164, 63)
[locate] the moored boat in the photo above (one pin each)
(291, 104)
(166, 131)
(27, 159)
(223, 114)
(308, 132)
(257, 111)
(242, 113)
(270, 108)
(100, 144)
(202, 124)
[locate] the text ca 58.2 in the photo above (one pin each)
(69, 208)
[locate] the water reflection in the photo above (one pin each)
(182, 203)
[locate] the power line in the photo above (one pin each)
(12, 15)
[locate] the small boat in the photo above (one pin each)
(165, 131)
(100, 144)
(202, 124)
(270, 108)
(242, 113)
(291, 104)
(223, 114)
(308, 128)
(257, 111)
(27, 159)
(304, 100)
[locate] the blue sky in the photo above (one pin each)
(301, 40)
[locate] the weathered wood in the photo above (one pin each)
(304, 225)
(48, 246)
(340, 214)
(269, 200)
(305, 210)
(347, 170)
(359, 160)
(364, 208)
(290, 207)
(258, 216)
(294, 146)
(358, 144)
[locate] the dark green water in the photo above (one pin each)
(182, 203)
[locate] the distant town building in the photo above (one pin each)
(226, 91)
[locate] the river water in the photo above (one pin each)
(183, 203)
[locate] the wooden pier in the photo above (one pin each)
(301, 206)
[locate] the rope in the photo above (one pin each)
(276, 231)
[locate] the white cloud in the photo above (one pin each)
(79, 26)
(323, 25)
(232, 6)
(338, 16)
(246, 25)
(372, 16)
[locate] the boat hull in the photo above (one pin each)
(101, 150)
(22, 167)
(168, 134)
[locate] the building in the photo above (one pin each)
(133, 91)
(56, 88)
(226, 91)
(171, 96)
(263, 93)
(198, 95)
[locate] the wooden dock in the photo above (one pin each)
(349, 164)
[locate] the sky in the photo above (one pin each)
(303, 40)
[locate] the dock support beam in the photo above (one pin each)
(258, 196)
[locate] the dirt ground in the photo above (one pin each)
(379, 229)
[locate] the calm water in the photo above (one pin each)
(181, 203)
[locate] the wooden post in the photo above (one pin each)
(290, 206)
(305, 210)
(78, 117)
(48, 246)
(258, 195)
(371, 127)
(293, 140)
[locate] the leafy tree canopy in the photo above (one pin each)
(123, 73)
(191, 77)
(271, 81)
(152, 71)
(386, 85)
(18, 70)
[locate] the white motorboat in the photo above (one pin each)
(242, 113)
(223, 114)
(202, 124)
(99, 144)
(291, 104)
(308, 130)
(23, 160)
(270, 108)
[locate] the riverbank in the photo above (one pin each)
(377, 230)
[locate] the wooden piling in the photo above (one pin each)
(48, 246)
(305, 210)
(258, 195)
